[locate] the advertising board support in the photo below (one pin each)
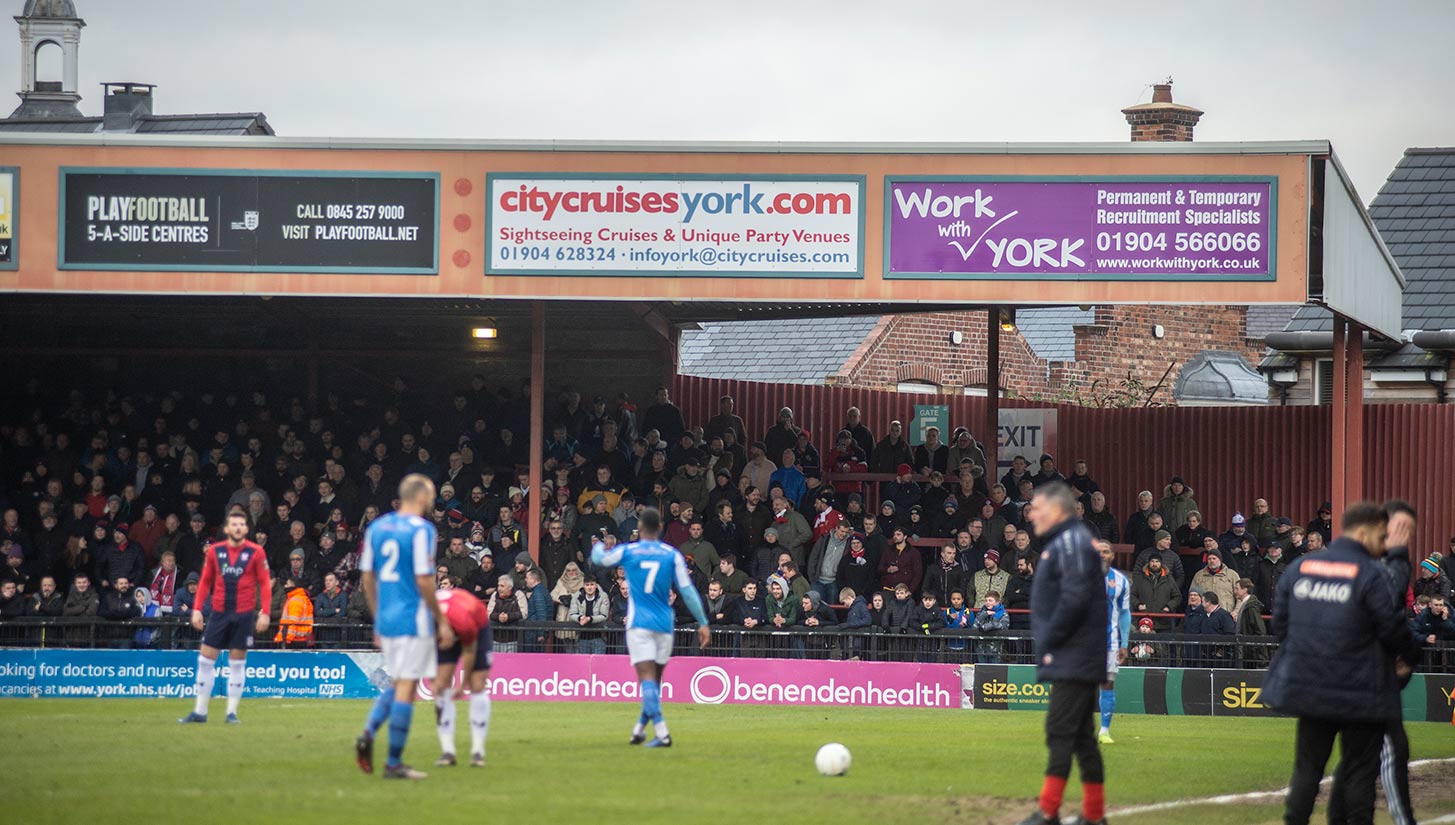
(537, 426)
(992, 382)
(1348, 429)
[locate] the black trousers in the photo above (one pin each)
(1351, 802)
(1394, 774)
(1071, 730)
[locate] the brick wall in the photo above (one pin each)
(1119, 343)
(918, 348)
(1122, 342)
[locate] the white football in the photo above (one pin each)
(832, 759)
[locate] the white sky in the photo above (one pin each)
(1372, 77)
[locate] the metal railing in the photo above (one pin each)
(957, 646)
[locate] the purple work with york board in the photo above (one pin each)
(1099, 229)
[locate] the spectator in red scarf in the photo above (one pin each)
(164, 583)
(828, 517)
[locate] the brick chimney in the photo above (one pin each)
(1162, 120)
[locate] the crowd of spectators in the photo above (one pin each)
(107, 503)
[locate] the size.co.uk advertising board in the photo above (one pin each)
(683, 225)
(1218, 228)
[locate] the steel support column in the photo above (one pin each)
(1354, 414)
(1339, 465)
(990, 434)
(537, 427)
(1348, 429)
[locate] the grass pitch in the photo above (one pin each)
(83, 761)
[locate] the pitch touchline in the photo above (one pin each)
(1255, 796)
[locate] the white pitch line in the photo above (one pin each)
(1445, 818)
(1255, 796)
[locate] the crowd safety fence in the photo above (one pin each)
(834, 643)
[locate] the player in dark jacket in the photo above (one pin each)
(1069, 624)
(1341, 631)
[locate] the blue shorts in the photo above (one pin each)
(484, 645)
(230, 631)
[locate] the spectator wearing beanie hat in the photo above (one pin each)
(889, 515)
(1323, 522)
(963, 446)
(14, 569)
(1431, 581)
(782, 435)
(118, 558)
(1217, 578)
(1171, 561)
(1237, 530)
(1048, 472)
(991, 578)
(903, 491)
(1176, 503)
(1282, 535)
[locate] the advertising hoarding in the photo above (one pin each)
(1219, 228)
(686, 225)
(244, 220)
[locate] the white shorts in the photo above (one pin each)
(410, 657)
(648, 646)
(1111, 664)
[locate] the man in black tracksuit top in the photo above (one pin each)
(1069, 624)
(1394, 757)
(1340, 630)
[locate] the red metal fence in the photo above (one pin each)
(1229, 455)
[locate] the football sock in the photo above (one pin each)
(206, 676)
(661, 727)
(652, 700)
(444, 705)
(236, 678)
(1093, 801)
(479, 721)
(640, 727)
(1051, 792)
(400, 716)
(380, 711)
(1108, 702)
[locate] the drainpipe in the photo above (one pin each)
(1437, 383)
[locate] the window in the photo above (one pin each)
(1324, 381)
(918, 387)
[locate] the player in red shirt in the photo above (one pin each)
(236, 585)
(470, 654)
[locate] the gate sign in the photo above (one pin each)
(1024, 432)
(249, 221)
(1098, 229)
(747, 226)
(9, 191)
(926, 416)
